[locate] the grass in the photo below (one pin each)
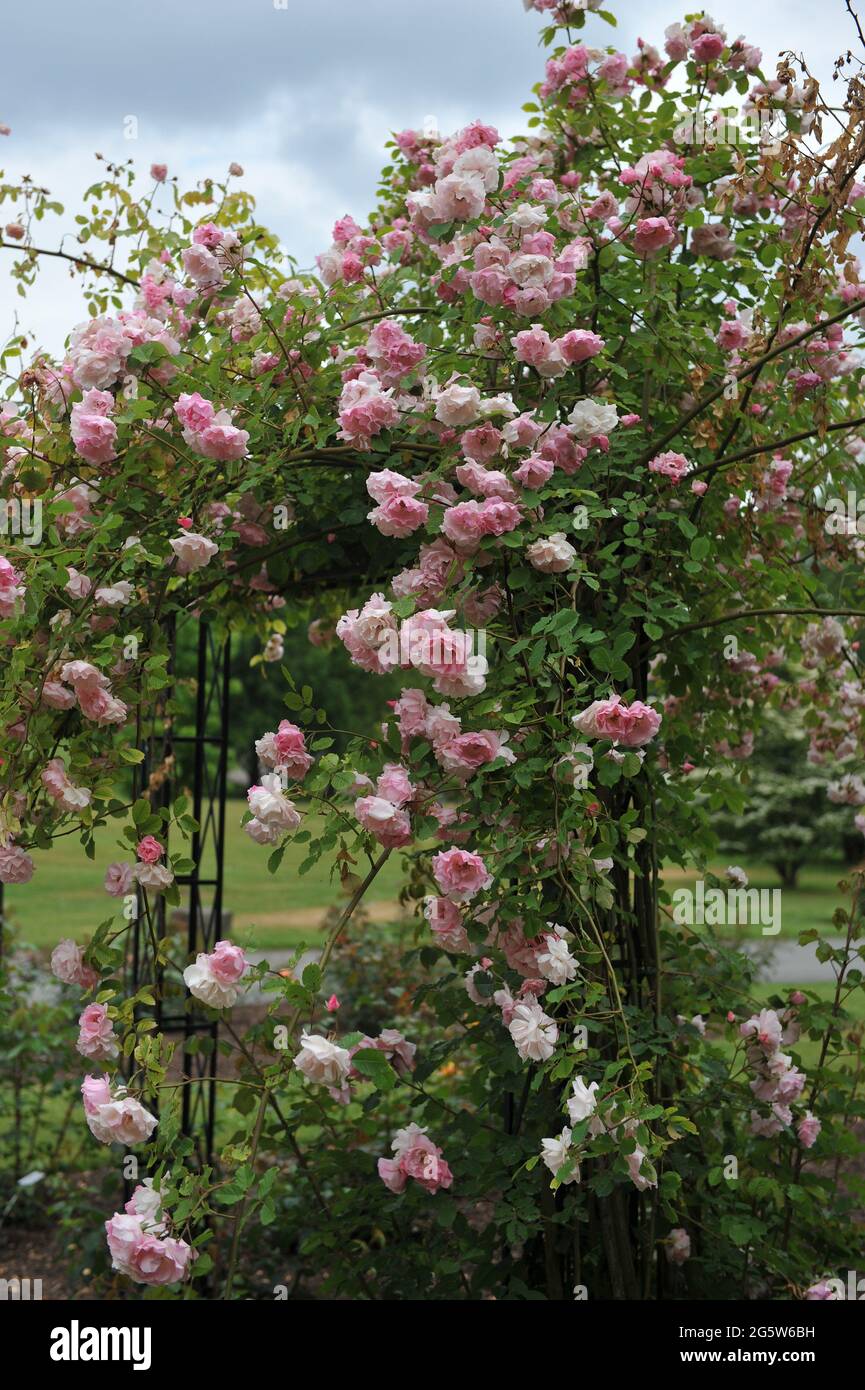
(808, 1049)
(271, 911)
(65, 897)
(810, 904)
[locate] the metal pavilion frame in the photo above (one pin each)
(202, 756)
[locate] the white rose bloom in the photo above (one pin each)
(590, 417)
(266, 750)
(555, 1153)
(551, 554)
(556, 963)
(482, 163)
(262, 834)
(534, 1034)
(322, 1061)
(583, 1102)
(203, 984)
(378, 809)
(527, 218)
(736, 876)
(114, 595)
(156, 877)
(271, 807)
(499, 405)
(458, 405)
(530, 269)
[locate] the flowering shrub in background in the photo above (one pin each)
(553, 435)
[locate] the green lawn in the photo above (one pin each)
(808, 1049)
(810, 904)
(65, 897)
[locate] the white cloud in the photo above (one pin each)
(305, 105)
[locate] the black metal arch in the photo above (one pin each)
(188, 751)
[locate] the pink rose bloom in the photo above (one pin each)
(93, 433)
(96, 1091)
(365, 409)
(458, 405)
(411, 710)
(485, 482)
(468, 752)
(672, 466)
(78, 585)
(202, 267)
(193, 551)
(227, 962)
(143, 1257)
(652, 235)
(579, 345)
(445, 654)
(159, 172)
(113, 1116)
(392, 351)
(535, 346)
(194, 412)
(534, 472)
(481, 443)
(67, 964)
(274, 814)
(390, 825)
(16, 866)
(707, 47)
(766, 1028)
(392, 1175)
(822, 1292)
(222, 440)
(149, 850)
(368, 634)
(118, 879)
(678, 1246)
(97, 354)
(446, 924)
(12, 590)
(286, 750)
(213, 978)
(399, 516)
(67, 796)
(468, 522)
(464, 525)
(57, 697)
(630, 726)
(416, 1157)
(459, 198)
(98, 704)
(635, 1163)
(808, 1129)
(394, 785)
(460, 874)
(96, 1038)
(386, 484)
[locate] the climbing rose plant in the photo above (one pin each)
(554, 436)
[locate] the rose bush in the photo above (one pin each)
(554, 434)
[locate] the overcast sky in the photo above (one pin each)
(302, 93)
